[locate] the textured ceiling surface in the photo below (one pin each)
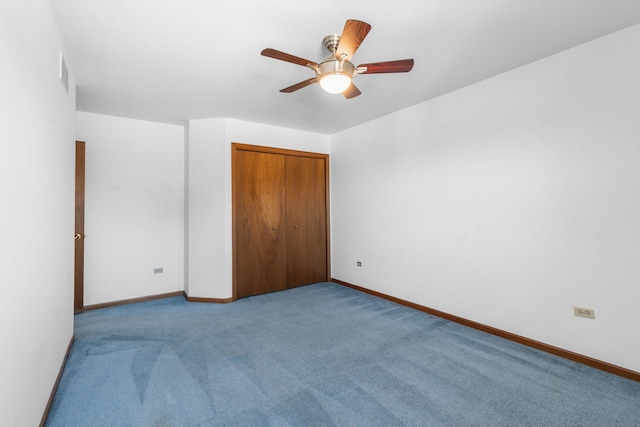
(172, 61)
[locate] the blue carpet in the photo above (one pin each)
(319, 355)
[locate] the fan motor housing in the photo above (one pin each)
(333, 66)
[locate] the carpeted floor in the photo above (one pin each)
(319, 355)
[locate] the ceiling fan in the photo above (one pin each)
(335, 73)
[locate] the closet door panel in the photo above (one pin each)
(306, 222)
(261, 242)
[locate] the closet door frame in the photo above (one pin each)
(235, 147)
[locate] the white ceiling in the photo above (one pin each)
(175, 60)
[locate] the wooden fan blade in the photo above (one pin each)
(276, 54)
(352, 36)
(400, 66)
(351, 92)
(300, 85)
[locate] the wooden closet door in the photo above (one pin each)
(261, 252)
(306, 221)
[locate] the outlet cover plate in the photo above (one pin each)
(589, 313)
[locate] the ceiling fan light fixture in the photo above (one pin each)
(336, 72)
(335, 82)
(335, 76)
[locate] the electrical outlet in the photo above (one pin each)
(589, 313)
(359, 263)
(158, 270)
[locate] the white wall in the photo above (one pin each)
(37, 155)
(134, 207)
(210, 238)
(206, 209)
(507, 202)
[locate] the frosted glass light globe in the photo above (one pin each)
(335, 82)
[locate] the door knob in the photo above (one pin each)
(296, 226)
(273, 228)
